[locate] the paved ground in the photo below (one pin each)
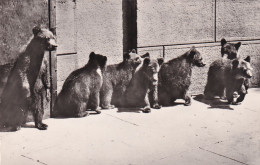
(205, 133)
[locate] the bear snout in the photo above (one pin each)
(52, 45)
(249, 74)
(155, 79)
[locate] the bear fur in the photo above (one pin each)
(4, 73)
(144, 85)
(42, 89)
(19, 92)
(228, 76)
(116, 78)
(229, 49)
(81, 89)
(175, 77)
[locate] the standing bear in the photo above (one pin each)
(175, 77)
(143, 87)
(19, 93)
(228, 76)
(81, 89)
(117, 77)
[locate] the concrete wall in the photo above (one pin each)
(86, 26)
(17, 20)
(169, 22)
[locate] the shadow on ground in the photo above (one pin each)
(215, 103)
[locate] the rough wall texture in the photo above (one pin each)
(86, 26)
(17, 20)
(174, 21)
(238, 19)
(99, 29)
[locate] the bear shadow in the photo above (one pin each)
(132, 110)
(215, 103)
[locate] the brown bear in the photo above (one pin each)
(144, 81)
(117, 77)
(229, 49)
(228, 76)
(81, 89)
(175, 77)
(19, 92)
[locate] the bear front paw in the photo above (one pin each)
(146, 110)
(42, 126)
(157, 106)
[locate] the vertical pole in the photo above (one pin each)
(52, 55)
(215, 20)
(163, 51)
(129, 8)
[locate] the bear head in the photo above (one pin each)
(46, 38)
(151, 69)
(195, 57)
(241, 68)
(229, 49)
(134, 58)
(97, 60)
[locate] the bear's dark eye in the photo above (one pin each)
(137, 58)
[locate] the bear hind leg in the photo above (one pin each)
(93, 103)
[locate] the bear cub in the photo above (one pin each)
(19, 94)
(228, 76)
(117, 77)
(175, 77)
(144, 86)
(81, 89)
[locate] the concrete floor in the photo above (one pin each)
(206, 133)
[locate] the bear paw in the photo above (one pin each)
(98, 111)
(188, 103)
(146, 110)
(42, 126)
(157, 106)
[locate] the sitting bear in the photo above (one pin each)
(229, 49)
(175, 77)
(19, 92)
(116, 78)
(229, 76)
(144, 81)
(81, 89)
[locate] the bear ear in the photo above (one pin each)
(235, 64)
(36, 30)
(92, 55)
(192, 52)
(223, 41)
(145, 55)
(237, 45)
(147, 61)
(160, 61)
(248, 59)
